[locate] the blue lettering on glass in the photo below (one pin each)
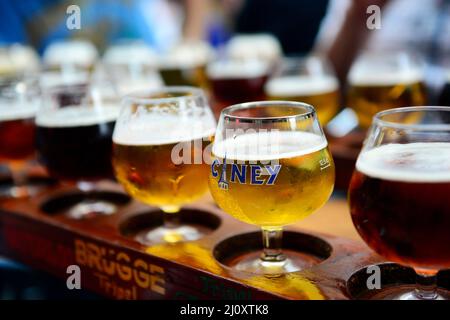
(214, 172)
(256, 172)
(223, 184)
(239, 174)
(255, 175)
(273, 173)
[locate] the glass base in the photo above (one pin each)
(252, 263)
(91, 208)
(407, 292)
(163, 234)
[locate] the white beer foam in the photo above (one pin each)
(52, 79)
(16, 111)
(291, 86)
(375, 77)
(187, 55)
(412, 162)
(69, 52)
(237, 69)
(72, 116)
(135, 53)
(162, 129)
(269, 145)
(254, 46)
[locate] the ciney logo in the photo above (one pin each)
(73, 21)
(254, 174)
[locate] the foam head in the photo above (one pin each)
(17, 111)
(268, 145)
(291, 86)
(76, 52)
(160, 129)
(412, 162)
(237, 69)
(137, 53)
(77, 116)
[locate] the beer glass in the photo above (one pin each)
(380, 81)
(19, 101)
(270, 167)
(74, 138)
(185, 64)
(158, 154)
(399, 193)
(310, 80)
(234, 81)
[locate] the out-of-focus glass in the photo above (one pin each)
(19, 102)
(399, 193)
(380, 81)
(310, 80)
(159, 158)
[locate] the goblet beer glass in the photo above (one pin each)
(158, 154)
(271, 167)
(309, 80)
(74, 139)
(19, 101)
(399, 192)
(380, 81)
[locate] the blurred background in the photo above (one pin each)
(318, 51)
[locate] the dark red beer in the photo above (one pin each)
(235, 82)
(17, 139)
(400, 203)
(75, 144)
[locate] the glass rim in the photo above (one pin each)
(378, 121)
(137, 96)
(310, 112)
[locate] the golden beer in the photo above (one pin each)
(149, 175)
(372, 93)
(319, 91)
(271, 186)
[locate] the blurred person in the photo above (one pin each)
(416, 26)
(160, 23)
(294, 23)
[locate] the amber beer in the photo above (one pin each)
(271, 179)
(319, 91)
(162, 163)
(17, 132)
(75, 143)
(399, 201)
(370, 93)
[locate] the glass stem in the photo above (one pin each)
(272, 251)
(171, 217)
(19, 173)
(426, 286)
